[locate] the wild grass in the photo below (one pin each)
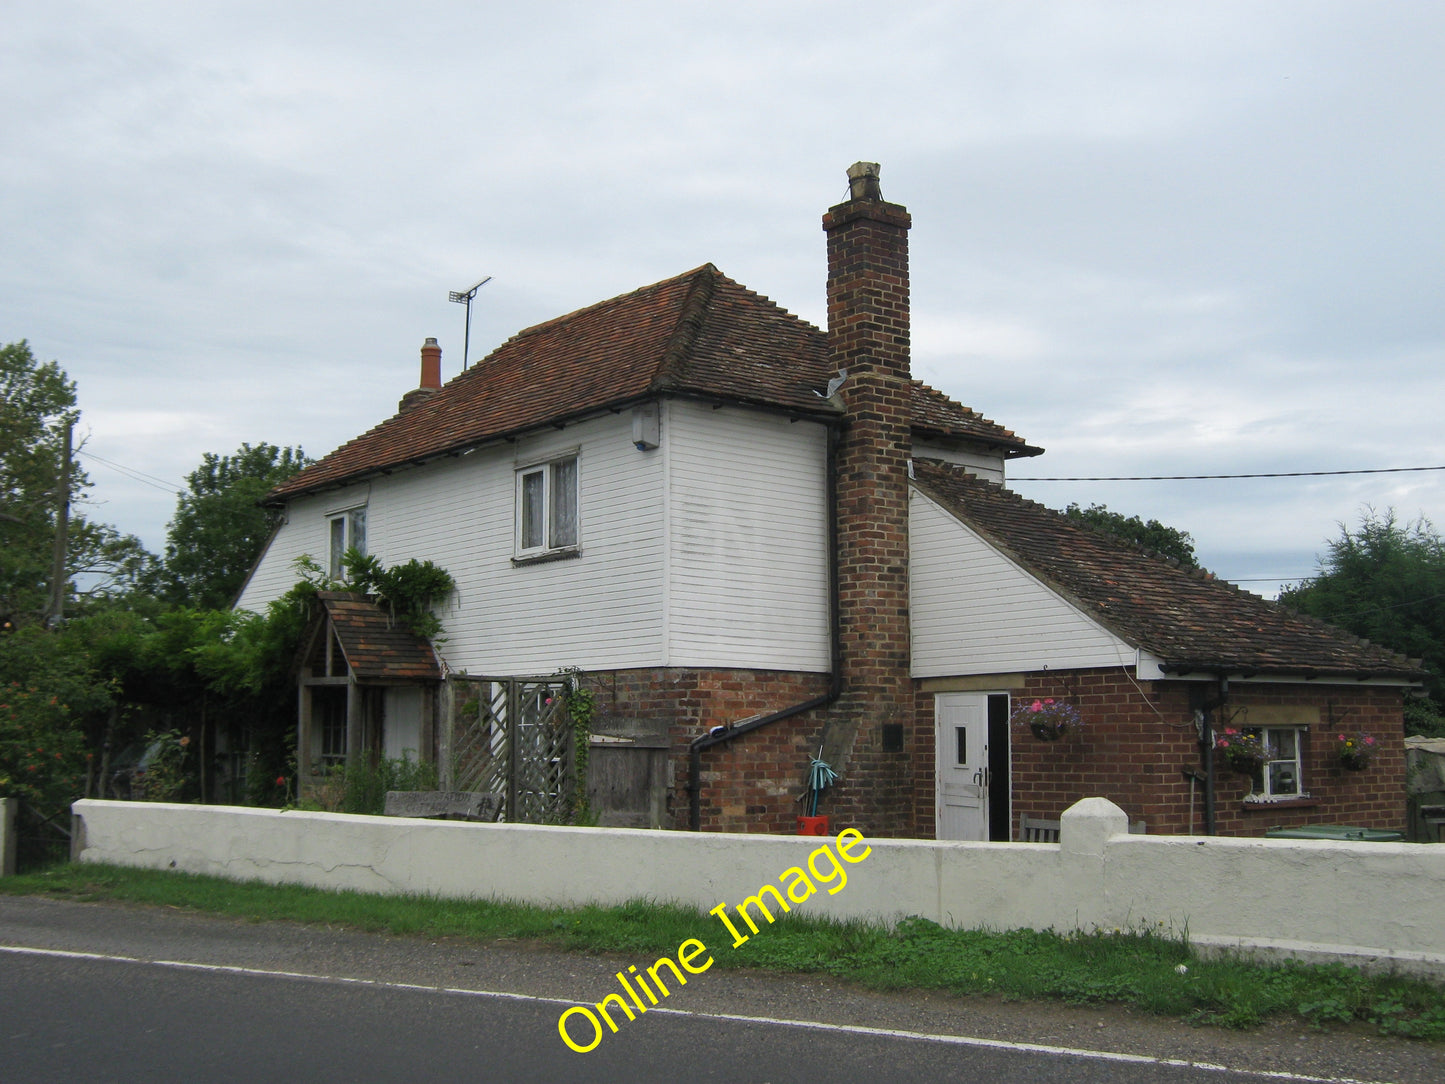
(1144, 970)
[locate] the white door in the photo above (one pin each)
(961, 725)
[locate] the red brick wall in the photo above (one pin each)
(1136, 743)
(1138, 740)
(749, 784)
(868, 334)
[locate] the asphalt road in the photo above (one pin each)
(99, 992)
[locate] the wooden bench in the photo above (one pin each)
(1039, 830)
(452, 805)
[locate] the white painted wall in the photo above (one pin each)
(747, 575)
(975, 611)
(602, 609)
(1361, 902)
(707, 551)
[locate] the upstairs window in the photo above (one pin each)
(547, 509)
(348, 531)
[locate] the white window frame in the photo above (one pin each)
(350, 524)
(541, 527)
(1262, 787)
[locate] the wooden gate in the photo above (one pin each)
(511, 737)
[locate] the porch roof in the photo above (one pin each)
(376, 647)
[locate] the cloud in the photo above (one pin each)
(1151, 238)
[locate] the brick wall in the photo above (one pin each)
(749, 784)
(868, 334)
(1139, 739)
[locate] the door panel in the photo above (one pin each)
(961, 721)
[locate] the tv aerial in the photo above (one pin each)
(464, 297)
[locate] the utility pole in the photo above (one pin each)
(62, 531)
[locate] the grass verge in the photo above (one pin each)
(1143, 970)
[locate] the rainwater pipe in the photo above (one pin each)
(1207, 712)
(720, 735)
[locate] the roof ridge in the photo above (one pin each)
(652, 287)
(691, 317)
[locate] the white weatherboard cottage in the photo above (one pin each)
(754, 542)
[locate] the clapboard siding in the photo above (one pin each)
(974, 611)
(600, 610)
(987, 465)
(747, 561)
(305, 531)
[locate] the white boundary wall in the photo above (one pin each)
(1373, 904)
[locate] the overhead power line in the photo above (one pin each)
(138, 476)
(1199, 477)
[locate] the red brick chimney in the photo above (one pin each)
(868, 334)
(431, 376)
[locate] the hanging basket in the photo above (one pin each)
(1356, 751)
(1243, 763)
(1047, 719)
(1243, 751)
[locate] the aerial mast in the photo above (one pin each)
(464, 297)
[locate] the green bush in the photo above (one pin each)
(42, 757)
(363, 786)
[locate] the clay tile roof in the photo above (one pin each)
(934, 412)
(376, 648)
(699, 334)
(1188, 618)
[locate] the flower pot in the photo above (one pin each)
(1046, 732)
(1355, 762)
(813, 826)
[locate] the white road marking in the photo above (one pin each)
(814, 1025)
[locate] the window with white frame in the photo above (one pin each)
(1282, 774)
(348, 531)
(547, 521)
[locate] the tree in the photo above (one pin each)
(1384, 581)
(219, 527)
(1151, 534)
(37, 407)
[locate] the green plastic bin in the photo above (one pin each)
(1337, 832)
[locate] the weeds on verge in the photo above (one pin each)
(1147, 971)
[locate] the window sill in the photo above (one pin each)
(1261, 805)
(561, 554)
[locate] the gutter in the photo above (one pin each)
(720, 735)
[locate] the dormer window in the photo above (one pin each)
(547, 521)
(348, 531)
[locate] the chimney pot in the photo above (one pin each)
(431, 364)
(863, 181)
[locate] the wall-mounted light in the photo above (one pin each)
(646, 426)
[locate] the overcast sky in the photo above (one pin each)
(1155, 238)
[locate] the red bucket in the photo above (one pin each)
(813, 826)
